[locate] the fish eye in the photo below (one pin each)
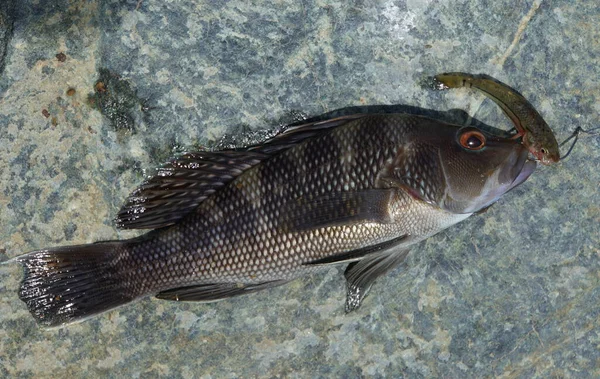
(544, 151)
(472, 140)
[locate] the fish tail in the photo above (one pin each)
(68, 284)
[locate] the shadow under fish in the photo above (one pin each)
(359, 189)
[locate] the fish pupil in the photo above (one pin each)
(474, 142)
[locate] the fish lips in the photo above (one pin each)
(514, 174)
(526, 170)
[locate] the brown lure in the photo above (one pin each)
(537, 135)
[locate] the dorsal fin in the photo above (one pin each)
(297, 134)
(179, 186)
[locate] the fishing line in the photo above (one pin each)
(575, 135)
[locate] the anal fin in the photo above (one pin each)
(215, 291)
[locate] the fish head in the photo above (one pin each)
(460, 169)
(479, 168)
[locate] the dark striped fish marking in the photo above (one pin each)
(361, 189)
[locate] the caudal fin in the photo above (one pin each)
(67, 284)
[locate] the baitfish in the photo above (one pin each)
(359, 189)
(537, 135)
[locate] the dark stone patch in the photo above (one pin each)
(53, 204)
(22, 160)
(6, 31)
(4, 122)
(116, 99)
(47, 70)
(70, 230)
(241, 136)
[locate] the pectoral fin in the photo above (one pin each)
(215, 292)
(353, 255)
(341, 208)
(361, 275)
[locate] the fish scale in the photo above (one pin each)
(359, 189)
(260, 239)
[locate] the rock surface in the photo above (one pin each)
(513, 292)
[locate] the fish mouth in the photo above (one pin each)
(517, 168)
(525, 170)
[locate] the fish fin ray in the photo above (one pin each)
(68, 284)
(179, 186)
(361, 275)
(357, 254)
(339, 208)
(215, 291)
(297, 134)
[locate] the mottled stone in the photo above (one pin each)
(513, 292)
(6, 30)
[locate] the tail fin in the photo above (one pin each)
(67, 284)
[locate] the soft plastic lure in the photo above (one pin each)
(537, 135)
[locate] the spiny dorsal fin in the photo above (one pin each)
(297, 134)
(181, 185)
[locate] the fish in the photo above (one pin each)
(359, 190)
(530, 125)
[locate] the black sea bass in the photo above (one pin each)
(360, 189)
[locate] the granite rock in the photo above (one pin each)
(513, 292)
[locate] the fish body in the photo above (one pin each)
(359, 189)
(536, 133)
